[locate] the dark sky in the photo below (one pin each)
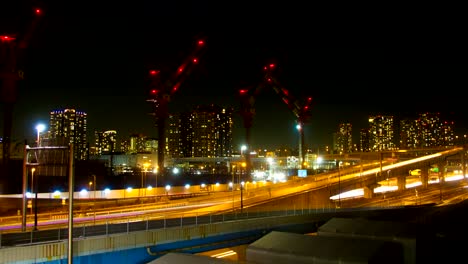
(94, 56)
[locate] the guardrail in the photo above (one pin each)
(86, 228)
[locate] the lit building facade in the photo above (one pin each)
(206, 131)
(344, 139)
(409, 132)
(433, 132)
(69, 126)
(105, 142)
(381, 133)
(364, 141)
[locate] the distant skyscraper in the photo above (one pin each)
(344, 142)
(433, 132)
(364, 140)
(204, 132)
(137, 143)
(381, 133)
(408, 134)
(69, 126)
(105, 142)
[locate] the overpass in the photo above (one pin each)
(142, 241)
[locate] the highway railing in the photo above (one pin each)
(134, 224)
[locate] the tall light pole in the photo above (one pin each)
(93, 183)
(301, 139)
(143, 181)
(32, 184)
(35, 197)
(40, 128)
(241, 185)
(232, 185)
(156, 183)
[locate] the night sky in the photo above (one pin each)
(94, 57)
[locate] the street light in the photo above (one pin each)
(40, 128)
(35, 197)
(242, 185)
(155, 171)
(243, 148)
(168, 187)
(301, 160)
(32, 186)
(143, 181)
(93, 183)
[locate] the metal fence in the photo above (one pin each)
(134, 224)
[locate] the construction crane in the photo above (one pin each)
(247, 98)
(161, 93)
(13, 46)
(300, 107)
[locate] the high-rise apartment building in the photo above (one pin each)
(381, 133)
(137, 143)
(69, 126)
(206, 131)
(433, 132)
(343, 139)
(409, 134)
(105, 142)
(364, 141)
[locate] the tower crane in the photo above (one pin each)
(300, 107)
(161, 92)
(13, 46)
(247, 97)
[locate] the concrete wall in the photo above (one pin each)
(138, 247)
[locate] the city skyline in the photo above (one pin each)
(96, 60)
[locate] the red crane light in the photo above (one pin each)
(38, 11)
(242, 91)
(176, 87)
(6, 38)
(154, 91)
(195, 60)
(153, 72)
(201, 42)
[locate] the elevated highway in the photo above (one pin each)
(300, 204)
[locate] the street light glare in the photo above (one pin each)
(40, 128)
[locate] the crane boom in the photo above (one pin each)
(300, 108)
(12, 51)
(161, 92)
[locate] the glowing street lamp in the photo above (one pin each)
(40, 128)
(168, 188)
(35, 197)
(243, 148)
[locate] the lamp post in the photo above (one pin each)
(243, 148)
(301, 160)
(143, 180)
(232, 184)
(40, 128)
(168, 187)
(242, 185)
(156, 183)
(339, 185)
(93, 183)
(35, 197)
(32, 185)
